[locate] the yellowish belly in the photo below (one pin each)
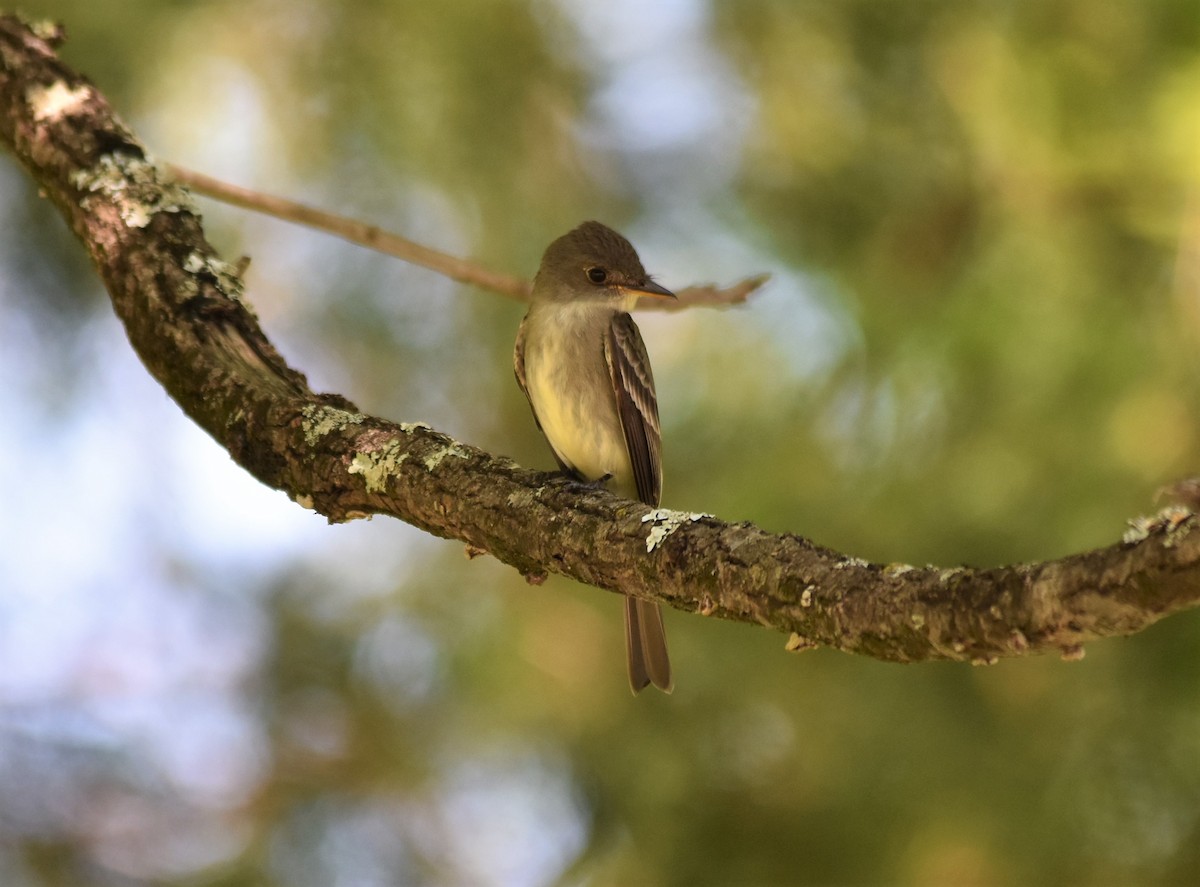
(579, 420)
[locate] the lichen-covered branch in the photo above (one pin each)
(186, 316)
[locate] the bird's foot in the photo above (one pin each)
(589, 485)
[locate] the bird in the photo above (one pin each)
(581, 362)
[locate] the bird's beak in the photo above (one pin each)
(649, 288)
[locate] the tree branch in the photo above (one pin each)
(183, 309)
(355, 231)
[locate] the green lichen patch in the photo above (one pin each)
(451, 449)
(320, 420)
(378, 467)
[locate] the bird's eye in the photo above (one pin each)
(597, 275)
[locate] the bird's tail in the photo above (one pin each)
(646, 645)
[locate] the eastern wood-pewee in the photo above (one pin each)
(580, 360)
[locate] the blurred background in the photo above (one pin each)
(979, 345)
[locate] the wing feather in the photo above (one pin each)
(637, 405)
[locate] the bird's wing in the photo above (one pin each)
(519, 367)
(637, 405)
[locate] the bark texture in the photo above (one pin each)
(187, 319)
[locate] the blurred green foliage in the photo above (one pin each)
(980, 346)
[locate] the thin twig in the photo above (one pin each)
(462, 270)
(370, 236)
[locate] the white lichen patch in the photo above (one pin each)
(318, 420)
(797, 643)
(897, 569)
(410, 427)
(850, 563)
(378, 467)
(1139, 529)
(56, 100)
(43, 28)
(134, 186)
(1173, 521)
(520, 499)
(236, 418)
(441, 453)
(226, 275)
(665, 522)
(1074, 653)
(806, 595)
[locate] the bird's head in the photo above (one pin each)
(593, 263)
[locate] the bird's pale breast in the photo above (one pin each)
(578, 415)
